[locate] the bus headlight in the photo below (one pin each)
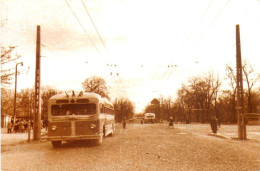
(92, 126)
(53, 128)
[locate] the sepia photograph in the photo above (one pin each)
(115, 85)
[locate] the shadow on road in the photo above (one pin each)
(78, 143)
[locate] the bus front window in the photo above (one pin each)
(73, 109)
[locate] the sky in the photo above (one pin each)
(144, 49)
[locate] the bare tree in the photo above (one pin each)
(250, 77)
(250, 81)
(7, 72)
(213, 85)
(47, 93)
(7, 65)
(232, 82)
(124, 108)
(96, 85)
(198, 99)
(7, 102)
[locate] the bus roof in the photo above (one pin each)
(78, 95)
(82, 95)
(149, 114)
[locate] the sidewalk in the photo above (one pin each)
(225, 131)
(15, 138)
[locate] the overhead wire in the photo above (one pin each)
(122, 88)
(164, 73)
(165, 77)
(78, 20)
(206, 30)
(104, 43)
(117, 85)
(193, 30)
(92, 21)
(113, 76)
(100, 37)
(119, 82)
(171, 72)
(211, 23)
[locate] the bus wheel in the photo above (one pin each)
(104, 131)
(99, 141)
(56, 143)
(113, 131)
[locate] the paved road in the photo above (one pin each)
(139, 147)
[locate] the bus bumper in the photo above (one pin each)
(72, 138)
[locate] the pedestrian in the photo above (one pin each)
(16, 126)
(31, 124)
(46, 124)
(124, 123)
(213, 124)
(171, 122)
(25, 125)
(9, 127)
(21, 126)
(12, 120)
(42, 124)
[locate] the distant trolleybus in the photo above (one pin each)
(149, 118)
(78, 117)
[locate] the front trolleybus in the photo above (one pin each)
(82, 116)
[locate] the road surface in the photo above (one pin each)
(138, 147)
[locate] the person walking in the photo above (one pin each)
(171, 122)
(16, 126)
(213, 124)
(124, 123)
(21, 126)
(9, 127)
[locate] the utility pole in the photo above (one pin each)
(240, 95)
(15, 90)
(29, 123)
(37, 99)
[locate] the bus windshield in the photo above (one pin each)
(73, 109)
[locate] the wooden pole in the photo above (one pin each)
(240, 93)
(37, 99)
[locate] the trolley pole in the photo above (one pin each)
(240, 94)
(37, 100)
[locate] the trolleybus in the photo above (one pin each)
(149, 118)
(79, 117)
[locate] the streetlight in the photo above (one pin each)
(15, 89)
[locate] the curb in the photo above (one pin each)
(218, 135)
(231, 138)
